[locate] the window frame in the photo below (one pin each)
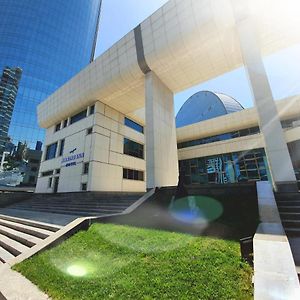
(89, 130)
(92, 110)
(47, 153)
(132, 174)
(61, 147)
(57, 127)
(133, 125)
(78, 117)
(83, 187)
(133, 148)
(86, 167)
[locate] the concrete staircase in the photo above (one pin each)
(78, 204)
(19, 235)
(289, 209)
(27, 223)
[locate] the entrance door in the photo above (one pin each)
(56, 181)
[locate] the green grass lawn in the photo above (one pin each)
(121, 262)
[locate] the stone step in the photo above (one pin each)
(288, 203)
(8, 248)
(71, 211)
(84, 197)
(289, 215)
(12, 246)
(40, 233)
(66, 205)
(295, 247)
(287, 196)
(290, 223)
(291, 231)
(292, 209)
(81, 202)
(35, 224)
(5, 256)
(67, 212)
(23, 238)
(71, 197)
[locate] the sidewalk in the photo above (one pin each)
(14, 286)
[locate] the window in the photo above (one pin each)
(220, 137)
(134, 125)
(78, 117)
(89, 130)
(134, 149)
(50, 182)
(133, 174)
(225, 168)
(92, 109)
(57, 171)
(51, 151)
(57, 127)
(34, 161)
(86, 168)
(65, 123)
(84, 186)
(61, 148)
(47, 173)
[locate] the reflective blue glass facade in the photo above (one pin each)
(50, 41)
(220, 137)
(226, 168)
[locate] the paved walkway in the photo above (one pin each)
(25, 290)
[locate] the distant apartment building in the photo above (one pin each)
(9, 83)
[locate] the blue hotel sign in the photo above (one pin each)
(72, 160)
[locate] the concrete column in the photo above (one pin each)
(161, 147)
(269, 121)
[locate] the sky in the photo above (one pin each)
(118, 17)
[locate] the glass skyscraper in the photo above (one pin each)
(50, 41)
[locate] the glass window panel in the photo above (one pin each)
(133, 125)
(133, 174)
(78, 117)
(51, 151)
(133, 148)
(61, 147)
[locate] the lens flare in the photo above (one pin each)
(196, 209)
(77, 271)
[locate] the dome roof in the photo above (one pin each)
(205, 105)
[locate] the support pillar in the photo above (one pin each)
(161, 146)
(277, 153)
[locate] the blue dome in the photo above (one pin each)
(205, 105)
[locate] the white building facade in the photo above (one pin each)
(182, 44)
(86, 152)
(100, 149)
